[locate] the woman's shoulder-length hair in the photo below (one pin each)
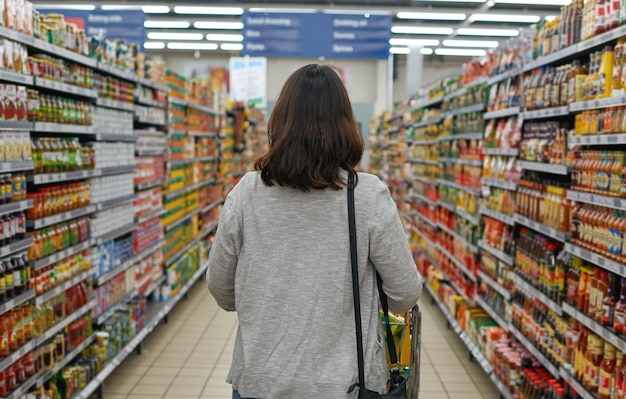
(312, 133)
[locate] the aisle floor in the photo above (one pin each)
(189, 357)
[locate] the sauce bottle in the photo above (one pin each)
(606, 71)
(607, 371)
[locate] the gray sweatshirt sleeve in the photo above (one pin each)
(223, 258)
(391, 255)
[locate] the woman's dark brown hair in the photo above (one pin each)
(312, 133)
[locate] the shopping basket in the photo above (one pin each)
(407, 329)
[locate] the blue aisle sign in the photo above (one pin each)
(316, 35)
(112, 24)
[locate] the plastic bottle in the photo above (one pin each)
(606, 73)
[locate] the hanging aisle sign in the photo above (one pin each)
(248, 81)
(316, 35)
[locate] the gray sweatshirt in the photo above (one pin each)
(281, 259)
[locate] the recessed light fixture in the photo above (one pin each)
(536, 2)
(192, 46)
(224, 37)
(421, 30)
(166, 24)
(443, 16)
(426, 51)
(413, 42)
(400, 50)
(208, 10)
(82, 7)
(460, 52)
(174, 36)
(471, 43)
(218, 25)
(231, 46)
(154, 45)
(522, 19)
(487, 32)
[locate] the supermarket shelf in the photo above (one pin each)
(571, 381)
(51, 332)
(615, 101)
(14, 77)
(127, 138)
(506, 294)
(427, 200)
(462, 136)
(596, 259)
(64, 88)
(533, 292)
(148, 216)
(17, 206)
(111, 70)
(178, 101)
(465, 110)
(148, 185)
(428, 103)
(497, 253)
(203, 134)
(504, 76)
(16, 246)
(542, 228)
(212, 205)
(150, 121)
(60, 217)
(17, 301)
(471, 346)
(507, 152)
(202, 108)
(427, 123)
(596, 327)
(16, 166)
(425, 180)
(150, 102)
(492, 313)
(534, 351)
(104, 316)
(456, 235)
(544, 167)
(150, 153)
(468, 273)
(59, 289)
(49, 127)
(169, 261)
(16, 125)
(504, 392)
(599, 139)
(178, 162)
(128, 264)
(447, 206)
(18, 354)
(46, 178)
(423, 219)
(461, 161)
(115, 234)
(550, 58)
(181, 220)
(155, 284)
(422, 161)
(187, 189)
(20, 391)
(601, 39)
(150, 83)
(503, 113)
(66, 360)
(112, 203)
(48, 260)
(468, 216)
(148, 132)
(163, 309)
(504, 218)
(458, 186)
(425, 142)
(594, 199)
(545, 113)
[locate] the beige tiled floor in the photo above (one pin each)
(189, 357)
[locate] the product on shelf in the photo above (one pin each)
(56, 109)
(506, 94)
(110, 255)
(111, 219)
(108, 155)
(112, 122)
(503, 133)
(599, 172)
(54, 154)
(56, 199)
(501, 168)
(544, 142)
(57, 238)
(544, 202)
(149, 170)
(501, 200)
(47, 67)
(599, 229)
(498, 235)
(111, 187)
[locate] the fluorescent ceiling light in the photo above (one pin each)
(287, 10)
(166, 24)
(400, 50)
(426, 51)
(413, 42)
(487, 32)
(231, 46)
(365, 13)
(208, 10)
(83, 7)
(156, 9)
(421, 30)
(224, 38)
(217, 25)
(174, 36)
(471, 43)
(530, 19)
(455, 1)
(146, 9)
(536, 2)
(460, 52)
(550, 18)
(192, 46)
(444, 16)
(154, 45)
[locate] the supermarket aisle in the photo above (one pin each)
(189, 357)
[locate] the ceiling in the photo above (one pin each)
(440, 27)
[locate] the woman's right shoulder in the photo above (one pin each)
(371, 183)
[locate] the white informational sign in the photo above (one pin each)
(248, 80)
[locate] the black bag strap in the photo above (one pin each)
(356, 296)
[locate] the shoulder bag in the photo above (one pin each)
(397, 382)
